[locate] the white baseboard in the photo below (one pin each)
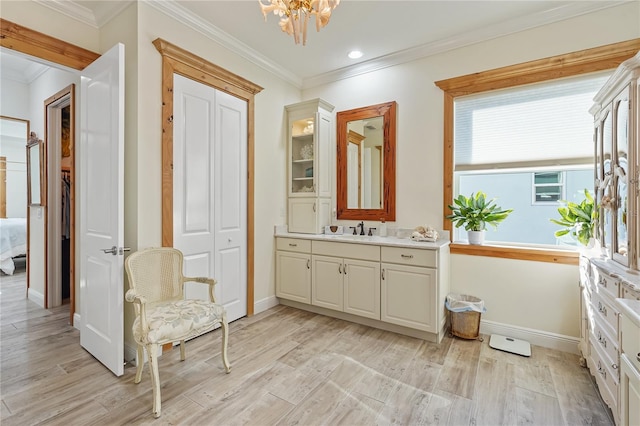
(76, 321)
(131, 353)
(36, 297)
(264, 304)
(535, 337)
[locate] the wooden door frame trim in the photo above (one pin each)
(70, 92)
(25, 40)
(176, 60)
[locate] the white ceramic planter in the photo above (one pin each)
(476, 238)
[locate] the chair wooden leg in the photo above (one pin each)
(182, 352)
(225, 338)
(152, 351)
(140, 364)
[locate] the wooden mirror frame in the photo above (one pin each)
(388, 212)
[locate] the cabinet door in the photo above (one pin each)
(303, 215)
(326, 282)
(408, 296)
(293, 276)
(629, 393)
(362, 288)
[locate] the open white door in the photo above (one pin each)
(102, 209)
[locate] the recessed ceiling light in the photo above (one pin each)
(355, 54)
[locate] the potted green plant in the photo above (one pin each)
(474, 213)
(578, 219)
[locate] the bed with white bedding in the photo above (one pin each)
(13, 242)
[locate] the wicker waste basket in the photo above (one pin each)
(465, 312)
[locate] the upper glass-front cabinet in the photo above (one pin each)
(309, 130)
(302, 155)
(617, 112)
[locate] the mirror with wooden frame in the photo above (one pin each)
(366, 163)
(35, 173)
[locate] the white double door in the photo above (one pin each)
(210, 190)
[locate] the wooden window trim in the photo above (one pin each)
(571, 64)
(179, 61)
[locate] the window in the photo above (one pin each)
(504, 137)
(536, 158)
(548, 187)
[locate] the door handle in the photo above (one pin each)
(113, 250)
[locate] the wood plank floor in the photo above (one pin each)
(289, 367)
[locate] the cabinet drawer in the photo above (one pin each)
(601, 337)
(293, 244)
(353, 251)
(602, 369)
(630, 340)
(606, 311)
(606, 283)
(408, 256)
(627, 293)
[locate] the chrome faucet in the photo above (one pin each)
(361, 225)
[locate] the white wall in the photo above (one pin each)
(535, 295)
(14, 103)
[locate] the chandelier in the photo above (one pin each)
(295, 14)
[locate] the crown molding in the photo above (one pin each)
(84, 14)
(72, 10)
(193, 21)
(513, 26)
(205, 28)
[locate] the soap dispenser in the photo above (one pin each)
(382, 230)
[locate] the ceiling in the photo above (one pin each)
(388, 32)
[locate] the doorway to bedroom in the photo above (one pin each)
(13, 194)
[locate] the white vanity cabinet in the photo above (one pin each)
(409, 285)
(388, 283)
(309, 135)
(293, 269)
(350, 284)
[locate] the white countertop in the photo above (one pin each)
(630, 308)
(628, 277)
(281, 231)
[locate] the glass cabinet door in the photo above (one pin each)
(620, 173)
(607, 195)
(302, 155)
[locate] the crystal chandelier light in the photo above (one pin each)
(295, 14)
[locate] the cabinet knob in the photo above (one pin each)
(308, 264)
(293, 245)
(340, 268)
(345, 269)
(407, 256)
(638, 357)
(383, 279)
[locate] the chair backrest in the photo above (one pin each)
(156, 274)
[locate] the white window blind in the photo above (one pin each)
(543, 124)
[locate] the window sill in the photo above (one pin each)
(565, 257)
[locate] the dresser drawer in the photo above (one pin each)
(606, 283)
(293, 244)
(602, 338)
(608, 381)
(606, 311)
(627, 293)
(408, 256)
(630, 336)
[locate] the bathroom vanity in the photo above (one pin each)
(395, 284)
